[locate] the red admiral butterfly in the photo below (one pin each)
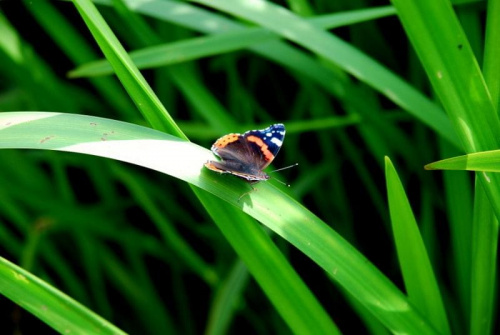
(245, 156)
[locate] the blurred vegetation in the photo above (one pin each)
(354, 82)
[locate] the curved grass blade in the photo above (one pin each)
(184, 160)
(49, 304)
(225, 300)
(420, 282)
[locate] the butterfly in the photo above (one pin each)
(247, 155)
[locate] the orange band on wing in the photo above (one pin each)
(268, 155)
(225, 140)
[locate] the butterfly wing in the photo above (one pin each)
(235, 154)
(265, 144)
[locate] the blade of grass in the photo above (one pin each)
(491, 65)
(459, 204)
(184, 160)
(50, 305)
(276, 51)
(484, 254)
(420, 282)
(226, 299)
(488, 161)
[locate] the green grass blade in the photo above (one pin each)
(491, 64)
(420, 282)
(184, 160)
(459, 203)
(49, 304)
(488, 161)
(226, 299)
(135, 84)
(484, 254)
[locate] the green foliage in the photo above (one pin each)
(137, 251)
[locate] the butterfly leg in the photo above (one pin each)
(252, 190)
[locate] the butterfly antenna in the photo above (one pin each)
(286, 167)
(282, 182)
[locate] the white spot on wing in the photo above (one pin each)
(276, 141)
